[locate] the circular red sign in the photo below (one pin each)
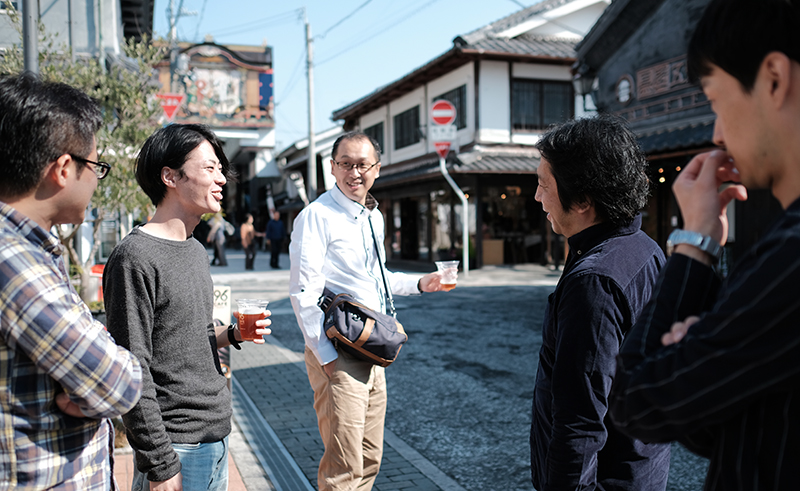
(442, 112)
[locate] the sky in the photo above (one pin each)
(359, 45)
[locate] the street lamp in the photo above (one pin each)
(583, 81)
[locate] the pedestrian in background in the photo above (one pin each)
(159, 302)
(216, 237)
(275, 235)
(62, 376)
(716, 364)
(592, 184)
(333, 246)
(248, 234)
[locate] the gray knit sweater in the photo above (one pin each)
(159, 299)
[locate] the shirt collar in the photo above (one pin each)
(590, 237)
(29, 229)
(354, 208)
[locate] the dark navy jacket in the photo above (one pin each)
(607, 280)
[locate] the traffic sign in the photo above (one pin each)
(442, 148)
(438, 133)
(170, 103)
(443, 112)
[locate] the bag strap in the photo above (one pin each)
(386, 288)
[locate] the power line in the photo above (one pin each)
(320, 36)
(378, 31)
(281, 18)
(291, 83)
(200, 21)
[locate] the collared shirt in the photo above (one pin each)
(607, 280)
(332, 246)
(49, 343)
(730, 389)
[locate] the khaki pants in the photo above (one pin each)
(351, 409)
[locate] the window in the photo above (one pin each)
(537, 104)
(376, 131)
(406, 128)
(4, 5)
(458, 98)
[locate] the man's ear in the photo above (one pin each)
(58, 171)
(583, 207)
(775, 75)
(169, 176)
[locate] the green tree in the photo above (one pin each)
(126, 92)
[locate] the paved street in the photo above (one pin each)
(459, 394)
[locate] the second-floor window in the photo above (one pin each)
(458, 98)
(5, 5)
(536, 104)
(376, 131)
(406, 128)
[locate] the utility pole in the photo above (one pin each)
(30, 14)
(312, 151)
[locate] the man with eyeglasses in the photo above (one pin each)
(62, 374)
(332, 246)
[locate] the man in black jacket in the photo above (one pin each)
(716, 365)
(592, 184)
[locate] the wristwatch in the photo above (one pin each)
(702, 242)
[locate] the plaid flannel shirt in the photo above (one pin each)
(50, 343)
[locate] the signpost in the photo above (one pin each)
(442, 132)
(170, 103)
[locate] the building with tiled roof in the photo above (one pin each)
(634, 60)
(508, 80)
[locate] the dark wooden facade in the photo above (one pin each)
(636, 53)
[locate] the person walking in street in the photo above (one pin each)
(592, 184)
(716, 365)
(333, 246)
(216, 237)
(159, 303)
(275, 234)
(62, 375)
(248, 234)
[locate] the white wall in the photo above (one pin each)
(494, 100)
(408, 101)
(465, 75)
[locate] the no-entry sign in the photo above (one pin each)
(443, 112)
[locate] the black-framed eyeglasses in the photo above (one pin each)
(361, 168)
(101, 169)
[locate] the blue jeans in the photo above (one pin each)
(204, 467)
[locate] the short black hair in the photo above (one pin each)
(736, 35)
(598, 161)
(357, 135)
(39, 122)
(169, 147)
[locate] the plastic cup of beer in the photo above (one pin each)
(250, 311)
(449, 270)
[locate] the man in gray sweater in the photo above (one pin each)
(159, 300)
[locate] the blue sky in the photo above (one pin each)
(359, 45)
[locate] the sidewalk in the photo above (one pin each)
(273, 402)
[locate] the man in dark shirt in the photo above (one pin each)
(592, 184)
(715, 365)
(275, 234)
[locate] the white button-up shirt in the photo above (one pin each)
(332, 246)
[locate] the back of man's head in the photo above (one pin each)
(39, 122)
(597, 161)
(170, 146)
(736, 35)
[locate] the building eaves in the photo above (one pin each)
(515, 19)
(677, 137)
(539, 49)
(617, 23)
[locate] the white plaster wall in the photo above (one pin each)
(417, 97)
(494, 100)
(464, 75)
(541, 72)
(371, 119)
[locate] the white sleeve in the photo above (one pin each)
(307, 281)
